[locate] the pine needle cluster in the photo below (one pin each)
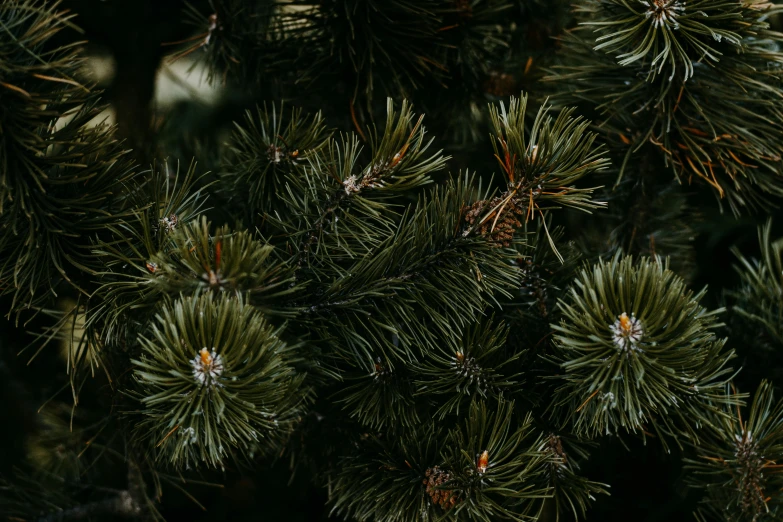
(60, 176)
(696, 83)
(638, 351)
(735, 464)
(226, 385)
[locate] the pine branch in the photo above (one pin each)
(737, 462)
(539, 168)
(637, 351)
(479, 368)
(714, 118)
(224, 386)
(344, 203)
(571, 492)
(482, 469)
(59, 176)
(405, 292)
(264, 150)
(759, 300)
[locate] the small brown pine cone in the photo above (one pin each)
(499, 229)
(441, 497)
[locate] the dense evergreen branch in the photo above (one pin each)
(638, 350)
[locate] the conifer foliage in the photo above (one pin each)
(240, 391)
(394, 279)
(60, 179)
(637, 348)
(695, 83)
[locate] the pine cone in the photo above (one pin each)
(441, 497)
(502, 230)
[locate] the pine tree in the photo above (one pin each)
(432, 260)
